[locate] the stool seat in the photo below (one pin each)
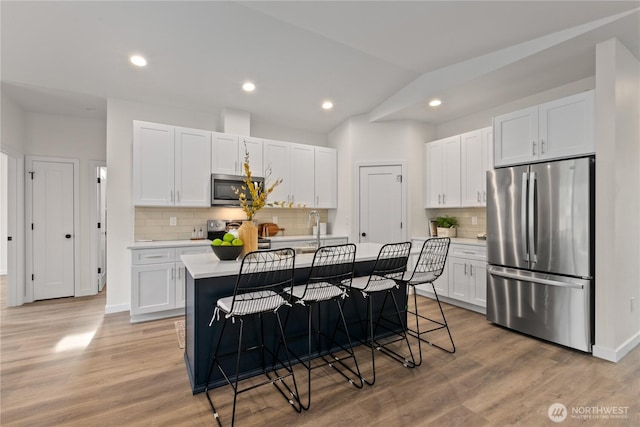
(373, 284)
(250, 303)
(315, 292)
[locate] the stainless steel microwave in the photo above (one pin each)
(223, 189)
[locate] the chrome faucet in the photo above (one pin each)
(316, 215)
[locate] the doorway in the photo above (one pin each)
(98, 196)
(381, 203)
(53, 223)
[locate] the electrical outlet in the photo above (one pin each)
(173, 221)
(474, 220)
(274, 219)
(632, 304)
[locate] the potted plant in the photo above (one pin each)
(447, 226)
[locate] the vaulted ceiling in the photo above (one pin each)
(382, 58)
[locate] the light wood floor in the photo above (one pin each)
(134, 374)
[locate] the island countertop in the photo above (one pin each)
(202, 266)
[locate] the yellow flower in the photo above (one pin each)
(258, 191)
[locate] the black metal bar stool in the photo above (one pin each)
(389, 268)
(263, 277)
(429, 267)
(329, 278)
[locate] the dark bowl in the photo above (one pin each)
(227, 253)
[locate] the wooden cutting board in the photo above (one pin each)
(268, 229)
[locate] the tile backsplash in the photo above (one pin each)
(465, 219)
(154, 223)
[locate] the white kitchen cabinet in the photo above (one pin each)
(295, 164)
(228, 154)
(556, 129)
(467, 267)
(192, 167)
(171, 166)
(158, 281)
(476, 159)
(306, 241)
(443, 173)
(326, 177)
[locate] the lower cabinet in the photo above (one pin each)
(157, 282)
(464, 278)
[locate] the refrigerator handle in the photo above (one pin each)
(523, 218)
(532, 216)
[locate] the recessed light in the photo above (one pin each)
(327, 105)
(248, 87)
(138, 60)
(435, 103)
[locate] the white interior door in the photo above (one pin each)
(380, 204)
(53, 229)
(102, 239)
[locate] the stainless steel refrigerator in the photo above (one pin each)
(540, 250)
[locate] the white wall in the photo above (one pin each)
(359, 140)
(618, 200)
(75, 138)
(12, 125)
(121, 213)
(3, 213)
(484, 118)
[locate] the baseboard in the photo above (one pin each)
(615, 355)
(108, 309)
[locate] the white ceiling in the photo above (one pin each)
(68, 57)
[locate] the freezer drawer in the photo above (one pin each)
(554, 308)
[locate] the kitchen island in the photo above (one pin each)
(209, 279)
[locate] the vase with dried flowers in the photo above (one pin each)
(252, 197)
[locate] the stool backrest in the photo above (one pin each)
(332, 266)
(270, 270)
(392, 260)
(433, 258)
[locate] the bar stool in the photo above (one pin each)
(389, 268)
(329, 278)
(429, 267)
(263, 276)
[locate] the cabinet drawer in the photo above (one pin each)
(192, 250)
(153, 256)
(468, 252)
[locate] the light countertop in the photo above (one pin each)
(458, 240)
(305, 237)
(202, 266)
(155, 244)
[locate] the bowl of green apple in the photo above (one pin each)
(228, 248)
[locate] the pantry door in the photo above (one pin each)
(381, 204)
(53, 234)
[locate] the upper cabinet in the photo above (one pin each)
(443, 173)
(228, 153)
(171, 165)
(295, 164)
(476, 158)
(556, 129)
(326, 177)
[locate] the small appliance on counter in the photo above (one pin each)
(216, 229)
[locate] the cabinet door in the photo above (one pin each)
(566, 126)
(224, 154)
(451, 177)
(180, 285)
(192, 167)
(253, 146)
(516, 137)
(276, 166)
(326, 177)
(478, 283)
(472, 168)
(487, 159)
(152, 288)
(458, 279)
(153, 164)
(433, 155)
(302, 175)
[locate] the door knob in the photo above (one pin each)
(67, 236)
(364, 234)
